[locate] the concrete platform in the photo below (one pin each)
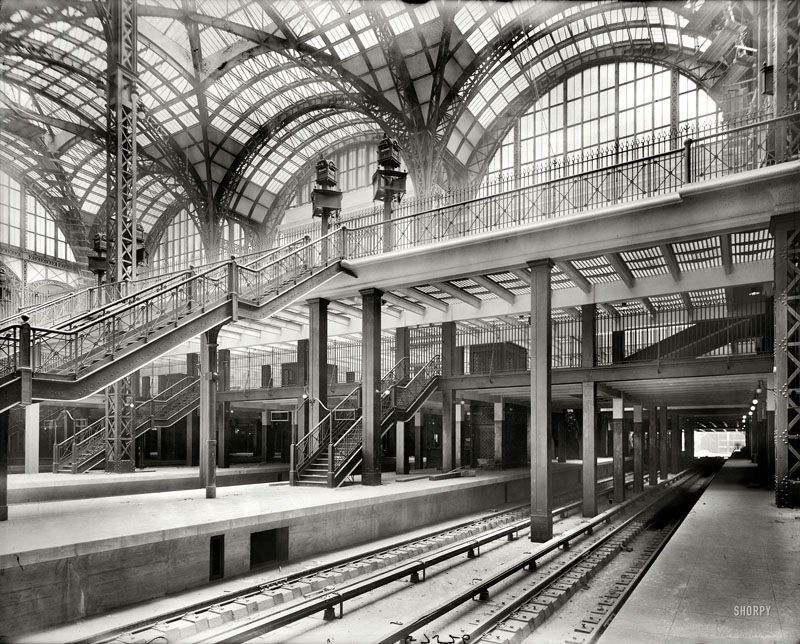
(64, 561)
(46, 486)
(730, 574)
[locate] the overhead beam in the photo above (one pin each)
(403, 303)
(648, 305)
(671, 260)
(568, 268)
(522, 273)
(494, 287)
(621, 269)
(461, 294)
(427, 300)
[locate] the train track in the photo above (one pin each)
(333, 604)
(192, 621)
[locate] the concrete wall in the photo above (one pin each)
(55, 587)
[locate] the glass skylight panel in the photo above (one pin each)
(401, 23)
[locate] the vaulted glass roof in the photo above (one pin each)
(238, 97)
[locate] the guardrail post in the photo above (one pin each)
(74, 456)
(293, 462)
(687, 160)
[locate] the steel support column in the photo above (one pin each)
(419, 462)
(4, 465)
(675, 443)
(499, 416)
(688, 444)
(618, 415)
(32, 438)
(786, 230)
(638, 449)
(121, 189)
(589, 447)
(663, 443)
(541, 353)
(652, 446)
(370, 386)
(209, 376)
(448, 419)
(318, 359)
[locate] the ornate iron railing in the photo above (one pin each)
(405, 394)
(330, 427)
(69, 451)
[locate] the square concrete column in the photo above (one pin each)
(499, 416)
(448, 430)
(304, 402)
(208, 410)
(401, 454)
(652, 445)
(459, 434)
(588, 336)
(638, 450)
(688, 444)
(675, 443)
(418, 458)
(402, 352)
(663, 443)
(189, 437)
(589, 446)
(370, 386)
(541, 358)
(448, 417)
(4, 466)
(32, 438)
(617, 417)
(317, 360)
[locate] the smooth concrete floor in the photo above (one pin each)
(730, 574)
(38, 531)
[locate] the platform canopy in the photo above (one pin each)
(239, 98)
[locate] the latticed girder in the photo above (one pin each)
(787, 361)
(120, 427)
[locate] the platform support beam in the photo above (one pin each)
(652, 446)
(370, 386)
(638, 449)
(318, 359)
(32, 438)
(663, 433)
(589, 448)
(209, 375)
(541, 353)
(4, 465)
(618, 440)
(675, 442)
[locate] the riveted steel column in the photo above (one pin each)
(541, 354)
(370, 386)
(652, 446)
(786, 230)
(618, 415)
(675, 443)
(121, 189)
(209, 376)
(638, 449)
(663, 443)
(318, 359)
(4, 465)
(589, 446)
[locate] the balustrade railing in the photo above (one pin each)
(69, 450)
(406, 394)
(341, 416)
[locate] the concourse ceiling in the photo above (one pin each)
(237, 97)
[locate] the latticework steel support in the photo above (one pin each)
(786, 230)
(121, 226)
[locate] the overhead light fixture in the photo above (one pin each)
(749, 413)
(755, 401)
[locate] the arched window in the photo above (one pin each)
(600, 108)
(25, 223)
(180, 246)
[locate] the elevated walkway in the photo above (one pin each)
(728, 575)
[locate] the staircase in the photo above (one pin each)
(331, 451)
(86, 449)
(701, 338)
(87, 352)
